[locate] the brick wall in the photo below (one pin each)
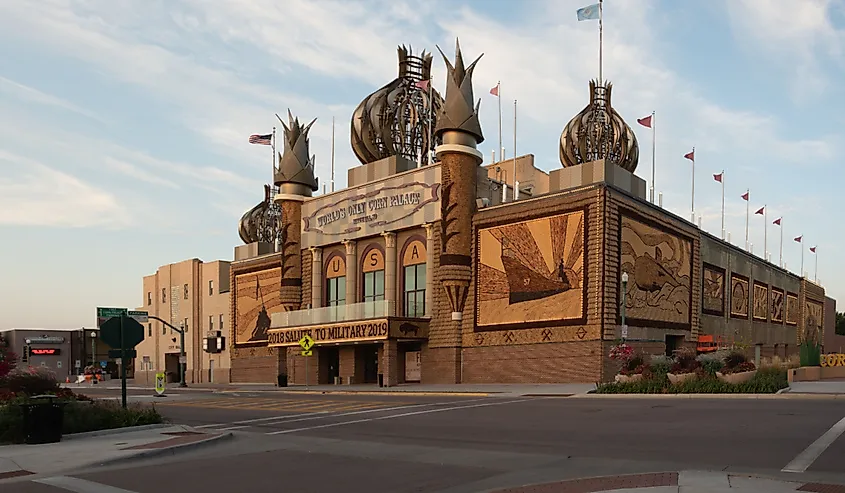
(537, 363)
(257, 365)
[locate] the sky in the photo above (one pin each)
(124, 127)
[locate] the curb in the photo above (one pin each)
(369, 392)
(114, 431)
(785, 396)
(146, 454)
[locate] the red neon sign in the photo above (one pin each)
(44, 351)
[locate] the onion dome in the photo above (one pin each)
(458, 112)
(397, 119)
(598, 132)
(295, 173)
(261, 223)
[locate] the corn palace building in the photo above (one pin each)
(429, 268)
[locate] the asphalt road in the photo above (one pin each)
(389, 443)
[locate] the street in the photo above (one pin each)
(395, 443)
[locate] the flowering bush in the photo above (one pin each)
(8, 359)
(621, 352)
(30, 381)
(685, 362)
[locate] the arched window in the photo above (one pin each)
(414, 278)
(373, 270)
(335, 280)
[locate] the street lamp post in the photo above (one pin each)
(624, 304)
(93, 336)
(182, 354)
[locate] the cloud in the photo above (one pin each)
(38, 195)
(30, 94)
(133, 171)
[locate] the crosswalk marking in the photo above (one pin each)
(293, 406)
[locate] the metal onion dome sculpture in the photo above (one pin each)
(262, 222)
(460, 112)
(598, 132)
(395, 120)
(295, 173)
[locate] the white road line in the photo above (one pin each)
(291, 418)
(79, 485)
(806, 458)
(232, 428)
(392, 416)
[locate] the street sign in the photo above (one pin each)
(183, 359)
(160, 383)
(77, 364)
(130, 353)
(133, 332)
(625, 331)
(139, 316)
(306, 342)
(104, 314)
(308, 353)
(104, 364)
(58, 364)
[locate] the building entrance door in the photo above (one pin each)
(370, 354)
(330, 364)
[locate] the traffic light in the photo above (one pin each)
(25, 354)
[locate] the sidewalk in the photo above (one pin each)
(677, 482)
(100, 447)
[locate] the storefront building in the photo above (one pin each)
(437, 272)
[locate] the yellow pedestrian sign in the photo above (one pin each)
(307, 353)
(307, 343)
(160, 383)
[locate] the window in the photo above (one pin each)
(211, 322)
(186, 291)
(149, 298)
(211, 287)
(163, 295)
(221, 321)
(149, 330)
(415, 290)
(414, 278)
(335, 281)
(373, 269)
(185, 325)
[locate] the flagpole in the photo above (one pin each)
(801, 274)
(816, 273)
(747, 212)
(332, 154)
(273, 150)
(781, 242)
(499, 97)
(723, 206)
(765, 232)
(601, 36)
(428, 159)
(515, 191)
(653, 151)
(693, 191)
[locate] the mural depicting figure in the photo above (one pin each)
(659, 266)
(713, 296)
(531, 271)
(791, 309)
(257, 298)
(761, 302)
(813, 319)
(739, 296)
(777, 305)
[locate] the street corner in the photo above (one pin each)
(170, 442)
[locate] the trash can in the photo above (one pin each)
(283, 380)
(381, 379)
(43, 418)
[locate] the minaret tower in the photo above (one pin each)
(296, 181)
(459, 131)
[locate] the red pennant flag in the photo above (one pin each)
(495, 90)
(718, 177)
(646, 121)
(690, 155)
(745, 196)
(813, 249)
(761, 210)
(798, 238)
(423, 84)
(777, 221)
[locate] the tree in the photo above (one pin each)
(840, 323)
(8, 359)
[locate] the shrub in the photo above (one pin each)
(766, 381)
(810, 353)
(30, 381)
(711, 363)
(633, 365)
(735, 358)
(685, 362)
(8, 359)
(660, 364)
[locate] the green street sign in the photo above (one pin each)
(104, 314)
(130, 353)
(133, 332)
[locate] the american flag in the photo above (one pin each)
(264, 140)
